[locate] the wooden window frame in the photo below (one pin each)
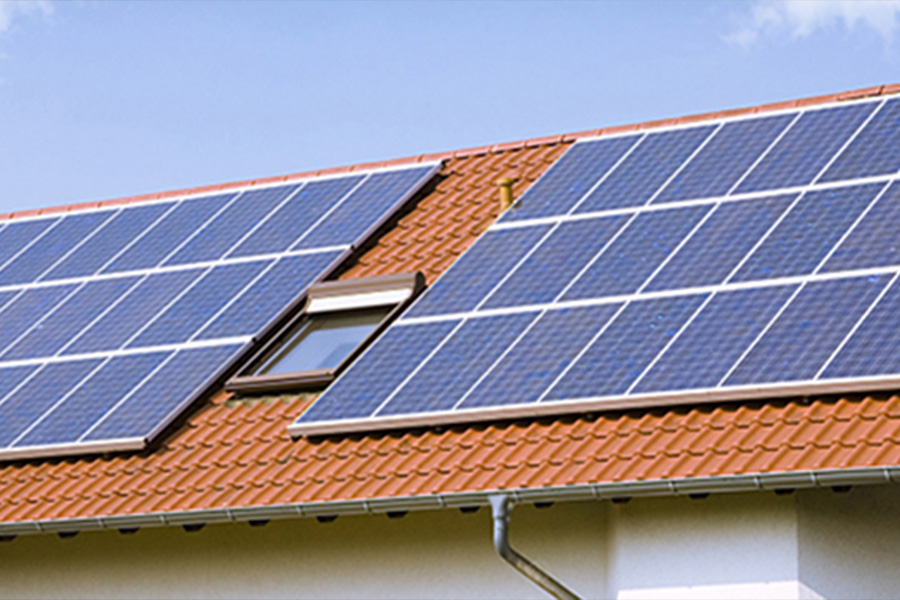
(331, 297)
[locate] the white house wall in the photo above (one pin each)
(806, 545)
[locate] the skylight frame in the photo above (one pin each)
(328, 298)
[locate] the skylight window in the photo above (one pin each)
(338, 322)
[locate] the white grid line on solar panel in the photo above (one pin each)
(189, 345)
(652, 295)
(220, 262)
(225, 189)
(613, 212)
(856, 326)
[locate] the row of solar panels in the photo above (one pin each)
(112, 320)
(708, 244)
(740, 156)
(743, 254)
(738, 338)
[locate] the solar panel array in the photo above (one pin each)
(737, 258)
(112, 320)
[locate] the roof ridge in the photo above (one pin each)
(855, 94)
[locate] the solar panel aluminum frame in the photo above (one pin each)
(329, 297)
(604, 404)
(218, 378)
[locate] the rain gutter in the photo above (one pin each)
(790, 480)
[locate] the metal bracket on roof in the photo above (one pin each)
(500, 509)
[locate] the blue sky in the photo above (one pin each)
(100, 99)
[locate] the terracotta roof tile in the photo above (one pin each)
(237, 453)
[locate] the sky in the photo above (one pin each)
(100, 100)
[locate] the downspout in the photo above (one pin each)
(500, 509)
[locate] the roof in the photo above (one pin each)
(235, 455)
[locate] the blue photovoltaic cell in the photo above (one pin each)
(874, 348)
(15, 236)
(556, 262)
(622, 352)
(636, 253)
(442, 381)
(806, 148)
(809, 231)
(570, 178)
(157, 243)
(646, 169)
(808, 331)
(874, 241)
(27, 309)
(724, 160)
(199, 304)
(54, 244)
(11, 377)
(107, 242)
(715, 340)
(303, 210)
(718, 246)
(269, 295)
(136, 309)
(22, 409)
(82, 307)
(372, 378)
(92, 399)
(233, 223)
(540, 356)
(476, 273)
(362, 209)
(874, 151)
(166, 392)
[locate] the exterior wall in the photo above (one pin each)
(748, 545)
(850, 542)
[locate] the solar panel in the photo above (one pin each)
(743, 257)
(113, 320)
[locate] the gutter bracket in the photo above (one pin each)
(500, 509)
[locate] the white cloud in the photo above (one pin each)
(801, 18)
(12, 10)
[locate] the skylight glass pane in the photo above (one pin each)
(325, 340)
